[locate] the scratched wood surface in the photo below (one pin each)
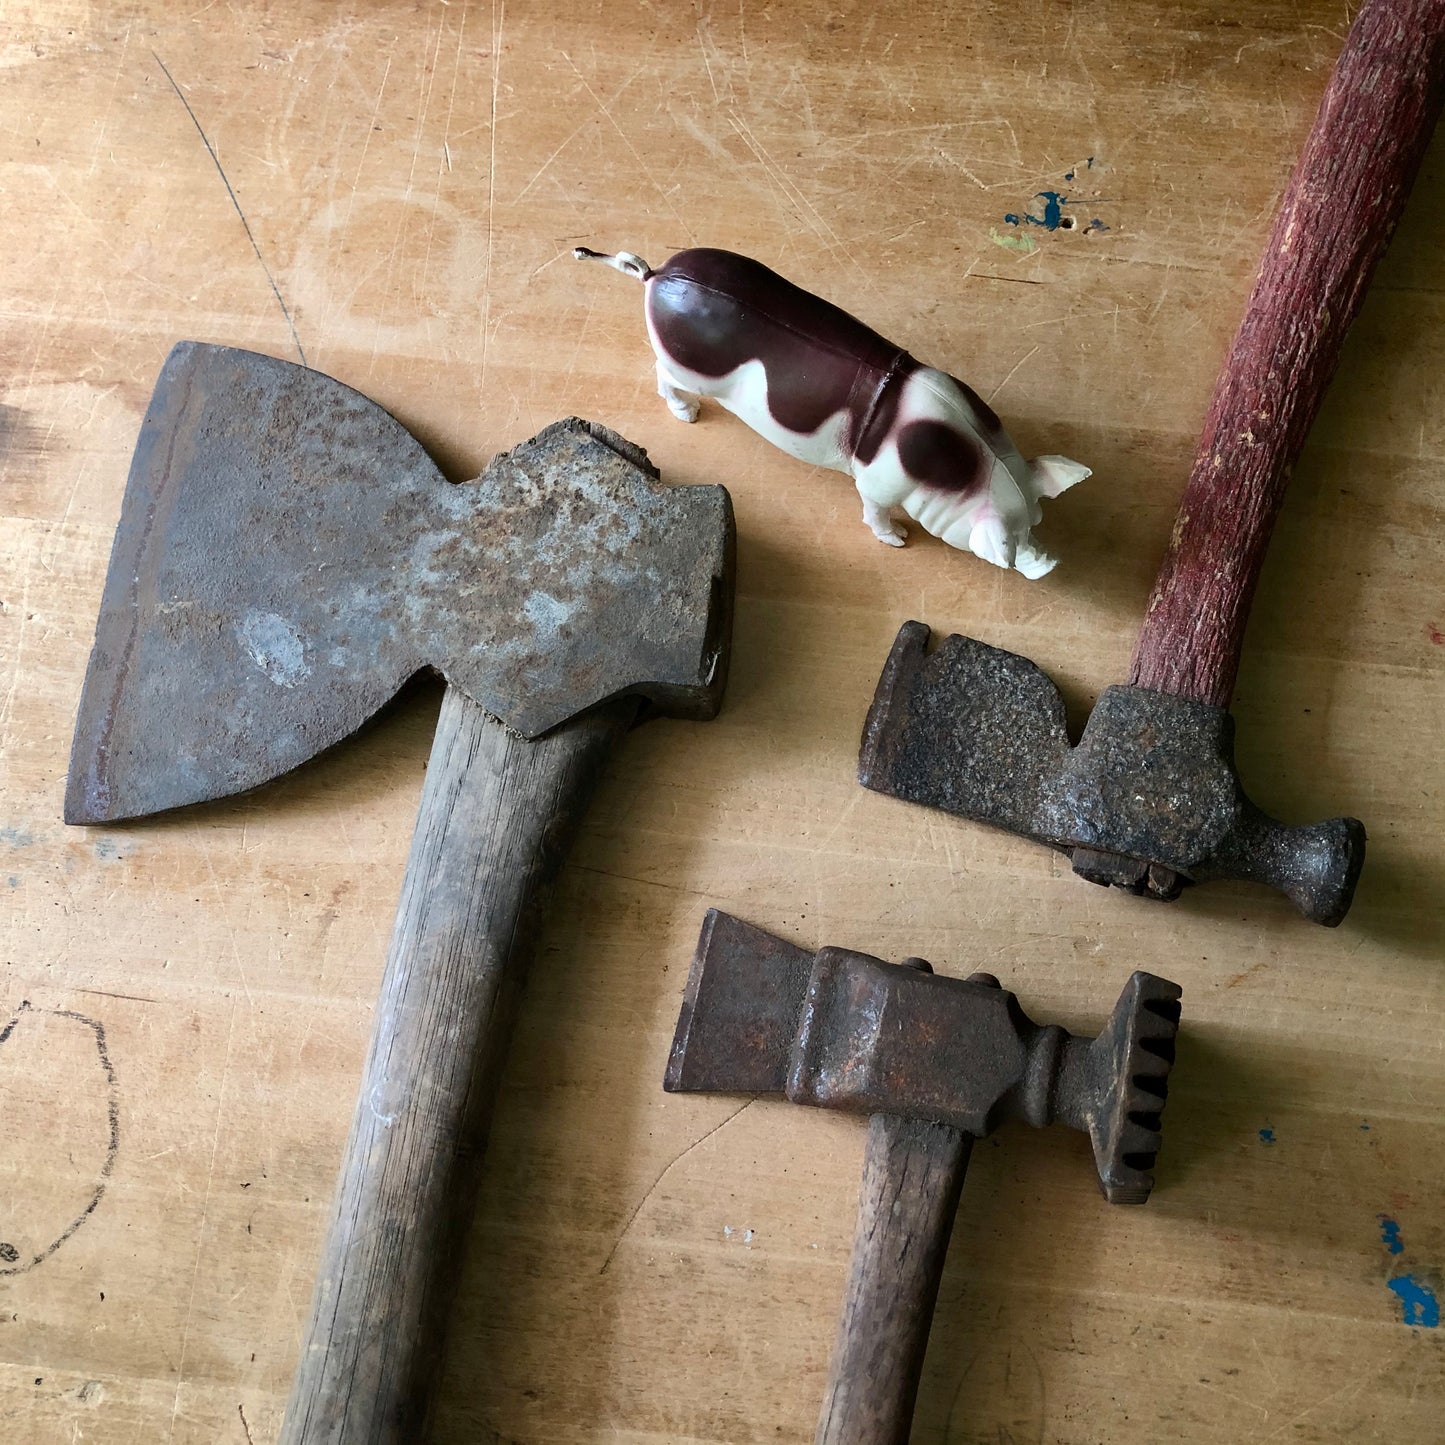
(391, 190)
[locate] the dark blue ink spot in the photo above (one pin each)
(1053, 218)
(1364, 1128)
(1418, 1304)
(1053, 209)
(1390, 1235)
(1053, 212)
(1266, 1136)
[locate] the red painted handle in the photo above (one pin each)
(1378, 113)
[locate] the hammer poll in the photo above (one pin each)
(935, 1063)
(1149, 800)
(287, 557)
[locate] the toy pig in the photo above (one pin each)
(819, 384)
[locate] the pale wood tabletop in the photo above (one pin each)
(390, 192)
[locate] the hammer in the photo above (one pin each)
(287, 557)
(935, 1063)
(1149, 800)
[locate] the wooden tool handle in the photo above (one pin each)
(497, 814)
(912, 1175)
(1378, 113)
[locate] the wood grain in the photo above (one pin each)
(414, 176)
(912, 1176)
(496, 817)
(1340, 209)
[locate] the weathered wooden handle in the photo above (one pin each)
(1374, 123)
(912, 1175)
(497, 814)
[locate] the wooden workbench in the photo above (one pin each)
(393, 189)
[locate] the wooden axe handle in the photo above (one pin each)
(912, 1176)
(497, 814)
(1378, 113)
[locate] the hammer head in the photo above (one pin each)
(288, 556)
(1149, 800)
(844, 1030)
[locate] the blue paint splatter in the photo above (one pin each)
(107, 849)
(13, 881)
(1418, 1304)
(1266, 1136)
(1053, 218)
(1390, 1235)
(17, 837)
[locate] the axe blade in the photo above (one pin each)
(969, 728)
(745, 991)
(288, 556)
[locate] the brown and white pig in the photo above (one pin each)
(825, 388)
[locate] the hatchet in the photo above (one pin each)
(1149, 800)
(934, 1063)
(287, 557)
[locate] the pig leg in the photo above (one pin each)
(1031, 561)
(682, 404)
(879, 521)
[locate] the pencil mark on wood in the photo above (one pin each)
(667, 1168)
(14, 1262)
(499, 21)
(230, 191)
(641, 882)
(106, 993)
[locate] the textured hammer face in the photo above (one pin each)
(288, 556)
(1148, 800)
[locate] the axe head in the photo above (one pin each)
(844, 1030)
(1149, 800)
(288, 556)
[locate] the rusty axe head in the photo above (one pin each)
(1149, 800)
(844, 1030)
(288, 556)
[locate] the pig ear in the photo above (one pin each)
(1052, 475)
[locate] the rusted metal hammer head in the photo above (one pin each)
(288, 556)
(1148, 801)
(844, 1030)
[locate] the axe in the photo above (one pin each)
(934, 1063)
(287, 557)
(1149, 800)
